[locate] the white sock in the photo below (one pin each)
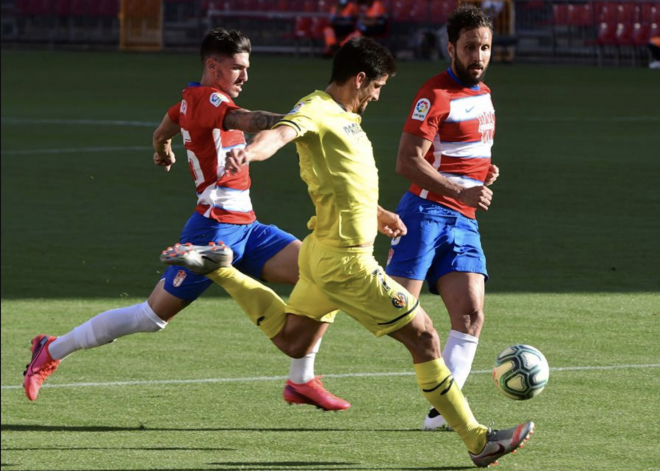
(106, 327)
(302, 369)
(458, 354)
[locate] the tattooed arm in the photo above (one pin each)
(251, 121)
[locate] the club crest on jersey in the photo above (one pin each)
(422, 108)
(184, 107)
(178, 279)
(217, 98)
(487, 126)
(400, 300)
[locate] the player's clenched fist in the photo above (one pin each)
(236, 158)
(166, 161)
(477, 197)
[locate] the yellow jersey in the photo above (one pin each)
(337, 164)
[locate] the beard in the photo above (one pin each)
(464, 75)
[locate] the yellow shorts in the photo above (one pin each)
(349, 279)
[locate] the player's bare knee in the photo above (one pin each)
(298, 350)
(426, 345)
(469, 323)
(291, 347)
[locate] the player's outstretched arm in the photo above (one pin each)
(251, 121)
(162, 142)
(390, 224)
(263, 146)
(410, 163)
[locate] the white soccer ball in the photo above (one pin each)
(521, 372)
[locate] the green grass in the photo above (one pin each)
(587, 419)
(571, 242)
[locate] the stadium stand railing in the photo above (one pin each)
(587, 31)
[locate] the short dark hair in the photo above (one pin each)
(362, 55)
(224, 42)
(466, 17)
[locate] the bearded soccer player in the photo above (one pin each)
(337, 267)
(211, 125)
(445, 152)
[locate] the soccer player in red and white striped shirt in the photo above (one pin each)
(445, 152)
(211, 125)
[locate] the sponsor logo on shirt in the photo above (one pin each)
(353, 129)
(216, 99)
(487, 126)
(184, 107)
(421, 109)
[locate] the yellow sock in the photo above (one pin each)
(263, 306)
(440, 390)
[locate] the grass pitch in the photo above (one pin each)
(570, 240)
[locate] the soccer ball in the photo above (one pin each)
(521, 372)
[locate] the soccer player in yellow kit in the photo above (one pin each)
(337, 267)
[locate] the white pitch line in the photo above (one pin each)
(281, 378)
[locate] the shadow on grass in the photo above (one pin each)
(143, 428)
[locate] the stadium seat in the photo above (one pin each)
(606, 34)
(580, 15)
(295, 6)
(624, 34)
(420, 11)
(311, 6)
(401, 10)
(441, 9)
(605, 12)
(560, 14)
(627, 13)
(282, 5)
(303, 27)
(325, 6)
(641, 34)
(318, 25)
(650, 13)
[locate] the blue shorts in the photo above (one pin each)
(253, 245)
(439, 241)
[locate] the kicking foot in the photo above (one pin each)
(502, 442)
(200, 259)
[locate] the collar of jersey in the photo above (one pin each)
(194, 84)
(330, 96)
(455, 79)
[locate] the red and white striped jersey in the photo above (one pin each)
(460, 123)
(220, 196)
